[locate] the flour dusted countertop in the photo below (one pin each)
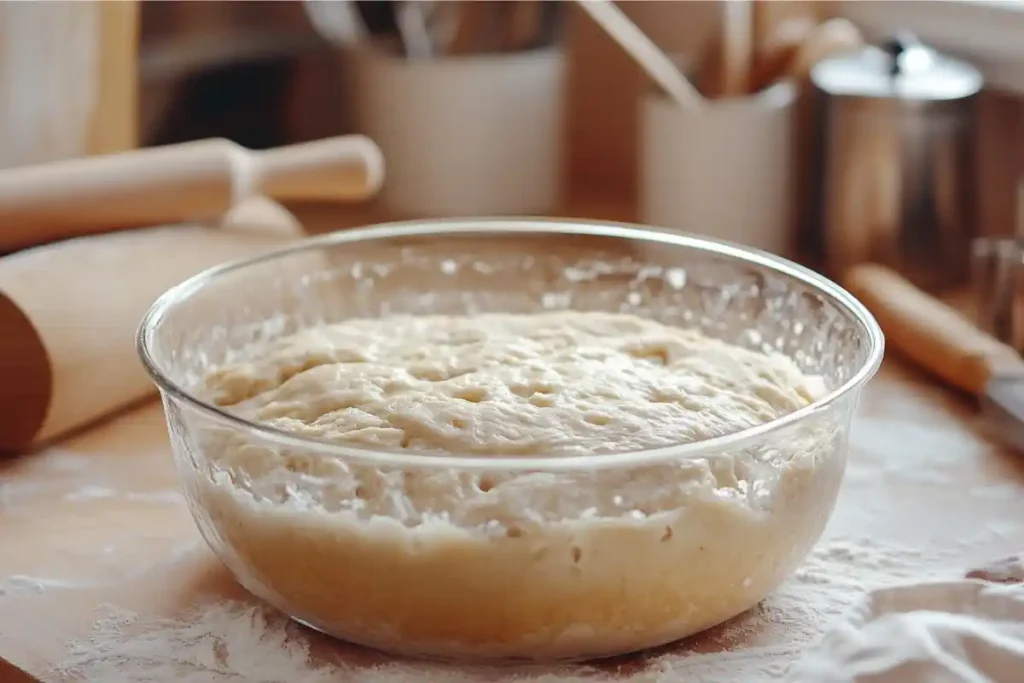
(103, 576)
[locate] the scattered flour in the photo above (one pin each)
(19, 584)
(935, 452)
(101, 493)
(242, 642)
(60, 474)
(63, 461)
(14, 494)
(230, 641)
(1005, 491)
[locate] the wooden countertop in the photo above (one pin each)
(97, 520)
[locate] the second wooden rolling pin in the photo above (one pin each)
(949, 346)
(930, 333)
(69, 312)
(193, 181)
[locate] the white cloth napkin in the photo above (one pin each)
(968, 631)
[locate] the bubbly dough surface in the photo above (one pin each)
(540, 384)
(543, 563)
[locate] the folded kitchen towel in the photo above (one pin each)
(967, 631)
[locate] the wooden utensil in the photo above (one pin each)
(338, 21)
(929, 332)
(778, 51)
(524, 25)
(69, 313)
(378, 16)
(552, 15)
(830, 38)
(493, 28)
(737, 48)
(649, 56)
(444, 20)
(177, 183)
(474, 16)
(414, 28)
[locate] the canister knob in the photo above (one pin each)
(902, 68)
(906, 54)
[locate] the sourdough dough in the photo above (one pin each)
(541, 563)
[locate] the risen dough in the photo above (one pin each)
(539, 563)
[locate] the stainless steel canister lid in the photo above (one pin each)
(902, 68)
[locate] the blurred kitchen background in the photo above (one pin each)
(559, 113)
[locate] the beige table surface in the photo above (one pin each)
(97, 519)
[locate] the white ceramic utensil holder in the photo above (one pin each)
(724, 170)
(464, 135)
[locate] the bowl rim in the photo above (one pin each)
(439, 228)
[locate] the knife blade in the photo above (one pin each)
(947, 344)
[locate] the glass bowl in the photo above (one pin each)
(511, 558)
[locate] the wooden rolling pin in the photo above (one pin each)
(9, 673)
(927, 331)
(193, 181)
(69, 313)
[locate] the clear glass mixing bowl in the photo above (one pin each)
(511, 558)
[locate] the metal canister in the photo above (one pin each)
(893, 178)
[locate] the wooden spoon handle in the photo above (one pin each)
(778, 50)
(737, 46)
(929, 332)
(655, 63)
(833, 37)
